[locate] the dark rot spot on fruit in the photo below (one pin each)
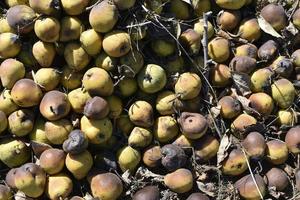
(173, 157)
(76, 142)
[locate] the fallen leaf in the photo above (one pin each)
(292, 29)
(224, 146)
(241, 82)
(267, 28)
(206, 188)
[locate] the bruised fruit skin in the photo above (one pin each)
(91, 41)
(249, 50)
(197, 196)
(96, 108)
(5, 192)
(163, 48)
(268, 50)
(10, 45)
(148, 192)
(141, 114)
(191, 41)
(283, 93)
(261, 80)
(13, 153)
(235, 164)
(75, 56)
(152, 78)
(220, 75)
(229, 19)
(76, 142)
(277, 152)
(98, 131)
(48, 7)
(21, 18)
(116, 43)
(44, 53)
(243, 64)
(123, 5)
(31, 179)
(106, 186)
(292, 140)
(275, 15)
(47, 78)
(11, 70)
(165, 102)
(218, 49)
(3, 121)
(193, 125)
(241, 123)
(52, 161)
(231, 4)
(70, 79)
(262, 103)
(247, 187)
(21, 122)
(277, 178)
(283, 66)
(47, 29)
(57, 131)
(74, 7)
(78, 99)
(230, 107)
(65, 186)
(98, 82)
(173, 157)
(140, 138)
(249, 29)
(71, 28)
(79, 164)
(7, 105)
(55, 105)
(165, 129)
(128, 158)
(206, 148)
(199, 28)
(255, 145)
(188, 86)
(31, 97)
(103, 16)
(152, 157)
(179, 181)
(135, 60)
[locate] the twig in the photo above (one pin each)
(92, 6)
(205, 38)
(252, 175)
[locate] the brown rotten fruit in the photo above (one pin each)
(96, 108)
(241, 123)
(249, 50)
(55, 105)
(141, 114)
(262, 103)
(292, 140)
(148, 192)
(268, 50)
(230, 107)
(255, 145)
(277, 178)
(152, 156)
(106, 186)
(229, 19)
(52, 161)
(247, 187)
(235, 164)
(193, 125)
(76, 142)
(197, 196)
(179, 181)
(219, 49)
(220, 75)
(206, 148)
(173, 157)
(243, 64)
(275, 15)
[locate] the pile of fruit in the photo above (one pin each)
(149, 99)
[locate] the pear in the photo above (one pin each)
(5, 192)
(106, 186)
(218, 49)
(76, 143)
(55, 105)
(47, 29)
(191, 41)
(188, 86)
(133, 63)
(249, 50)
(250, 30)
(31, 179)
(3, 122)
(231, 4)
(78, 99)
(140, 138)
(14, 153)
(228, 20)
(286, 117)
(12, 3)
(91, 42)
(11, 70)
(106, 62)
(220, 75)
(148, 192)
(235, 164)
(57, 131)
(47, 78)
(7, 105)
(116, 43)
(152, 78)
(79, 164)
(165, 102)
(201, 7)
(128, 158)
(52, 161)
(173, 157)
(98, 82)
(163, 48)
(255, 145)
(115, 106)
(38, 133)
(47, 7)
(199, 27)
(241, 123)
(98, 131)
(75, 7)
(70, 78)
(5, 27)
(193, 125)
(275, 15)
(262, 103)
(230, 107)
(292, 139)
(44, 53)
(277, 152)
(180, 9)
(65, 186)
(277, 178)
(165, 129)
(75, 56)
(283, 93)
(152, 157)
(261, 80)
(103, 16)
(141, 114)
(268, 51)
(179, 181)
(206, 148)
(247, 187)
(128, 87)
(71, 28)
(21, 122)
(124, 124)
(96, 108)
(10, 45)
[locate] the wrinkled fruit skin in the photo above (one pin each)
(193, 125)
(173, 157)
(76, 142)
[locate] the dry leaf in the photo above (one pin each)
(267, 28)
(215, 111)
(206, 188)
(241, 82)
(88, 196)
(224, 146)
(187, 1)
(292, 29)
